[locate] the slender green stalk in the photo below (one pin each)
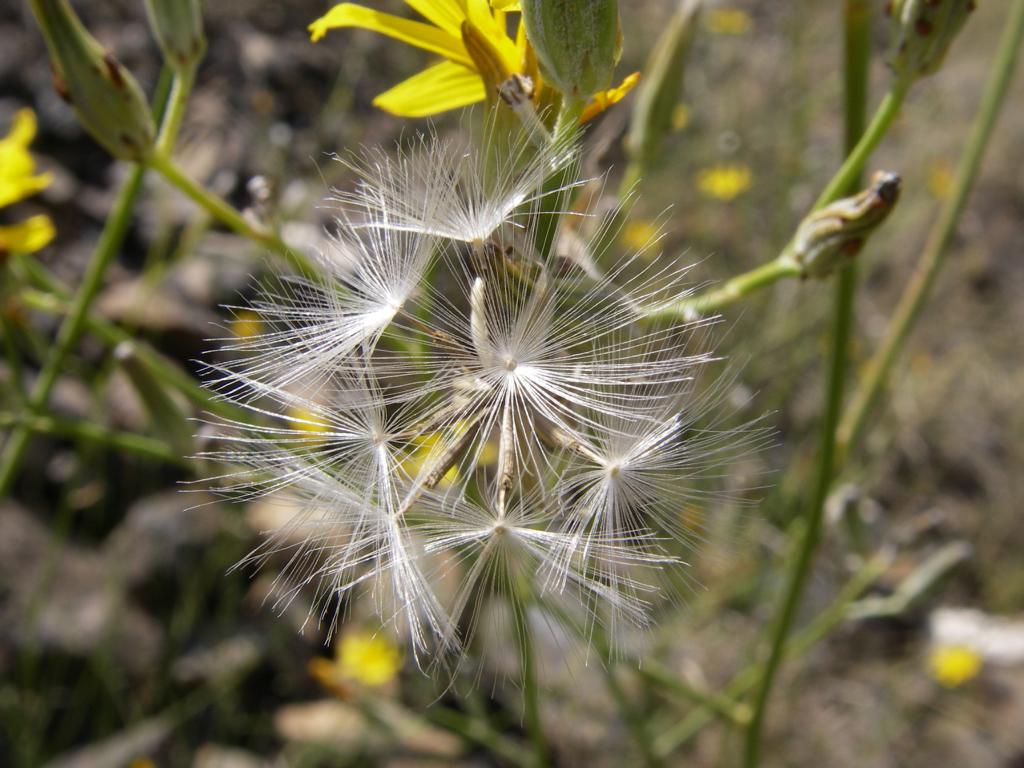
(531, 688)
(923, 279)
(110, 242)
(225, 213)
(721, 705)
(81, 430)
(730, 291)
(14, 362)
(170, 127)
(855, 65)
(633, 719)
(163, 369)
(114, 230)
(783, 265)
(478, 732)
(797, 645)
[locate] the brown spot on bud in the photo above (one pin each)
(923, 27)
(114, 70)
(61, 87)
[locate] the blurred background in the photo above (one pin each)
(125, 640)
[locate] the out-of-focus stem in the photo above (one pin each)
(634, 720)
(94, 433)
(720, 705)
(228, 215)
(531, 690)
(110, 241)
(933, 257)
(856, 22)
(799, 643)
(111, 335)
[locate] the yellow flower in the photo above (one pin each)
(18, 180)
(359, 657)
(680, 117)
(724, 182)
(940, 180)
(469, 35)
(954, 665)
(247, 324)
(728, 21)
(304, 420)
(638, 233)
(428, 446)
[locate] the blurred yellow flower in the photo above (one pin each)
(940, 180)
(728, 21)
(472, 38)
(638, 233)
(430, 444)
(680, 117)
(304, 420)
(18, 180)
(954, 665)
(247, 324)
(359, 657)
(724, 182)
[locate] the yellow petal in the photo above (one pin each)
(27, 236)
(418, 34)
(447, 14)
(506, 5)
(18, 188)
(437, 89)
(478, 13)
(16, 164)
(601, 100)
(23, 129)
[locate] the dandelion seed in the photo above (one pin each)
(449, 189)
(510, 426)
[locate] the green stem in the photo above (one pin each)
(720, 705)
(783, 265)
(730, 291)
(633, 719)
(923, 279)
(531, 689)
(798, 644)
(94, 433)
(478, 732)
(162, 368)
(857, 37)
(554, 203)
(226, 214)
(174, 112)
(110, 242)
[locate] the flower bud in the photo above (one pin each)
(577, 42)
(659, 90)
(921, 33)
(829, 237)
(178, 27)
(106, 99)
